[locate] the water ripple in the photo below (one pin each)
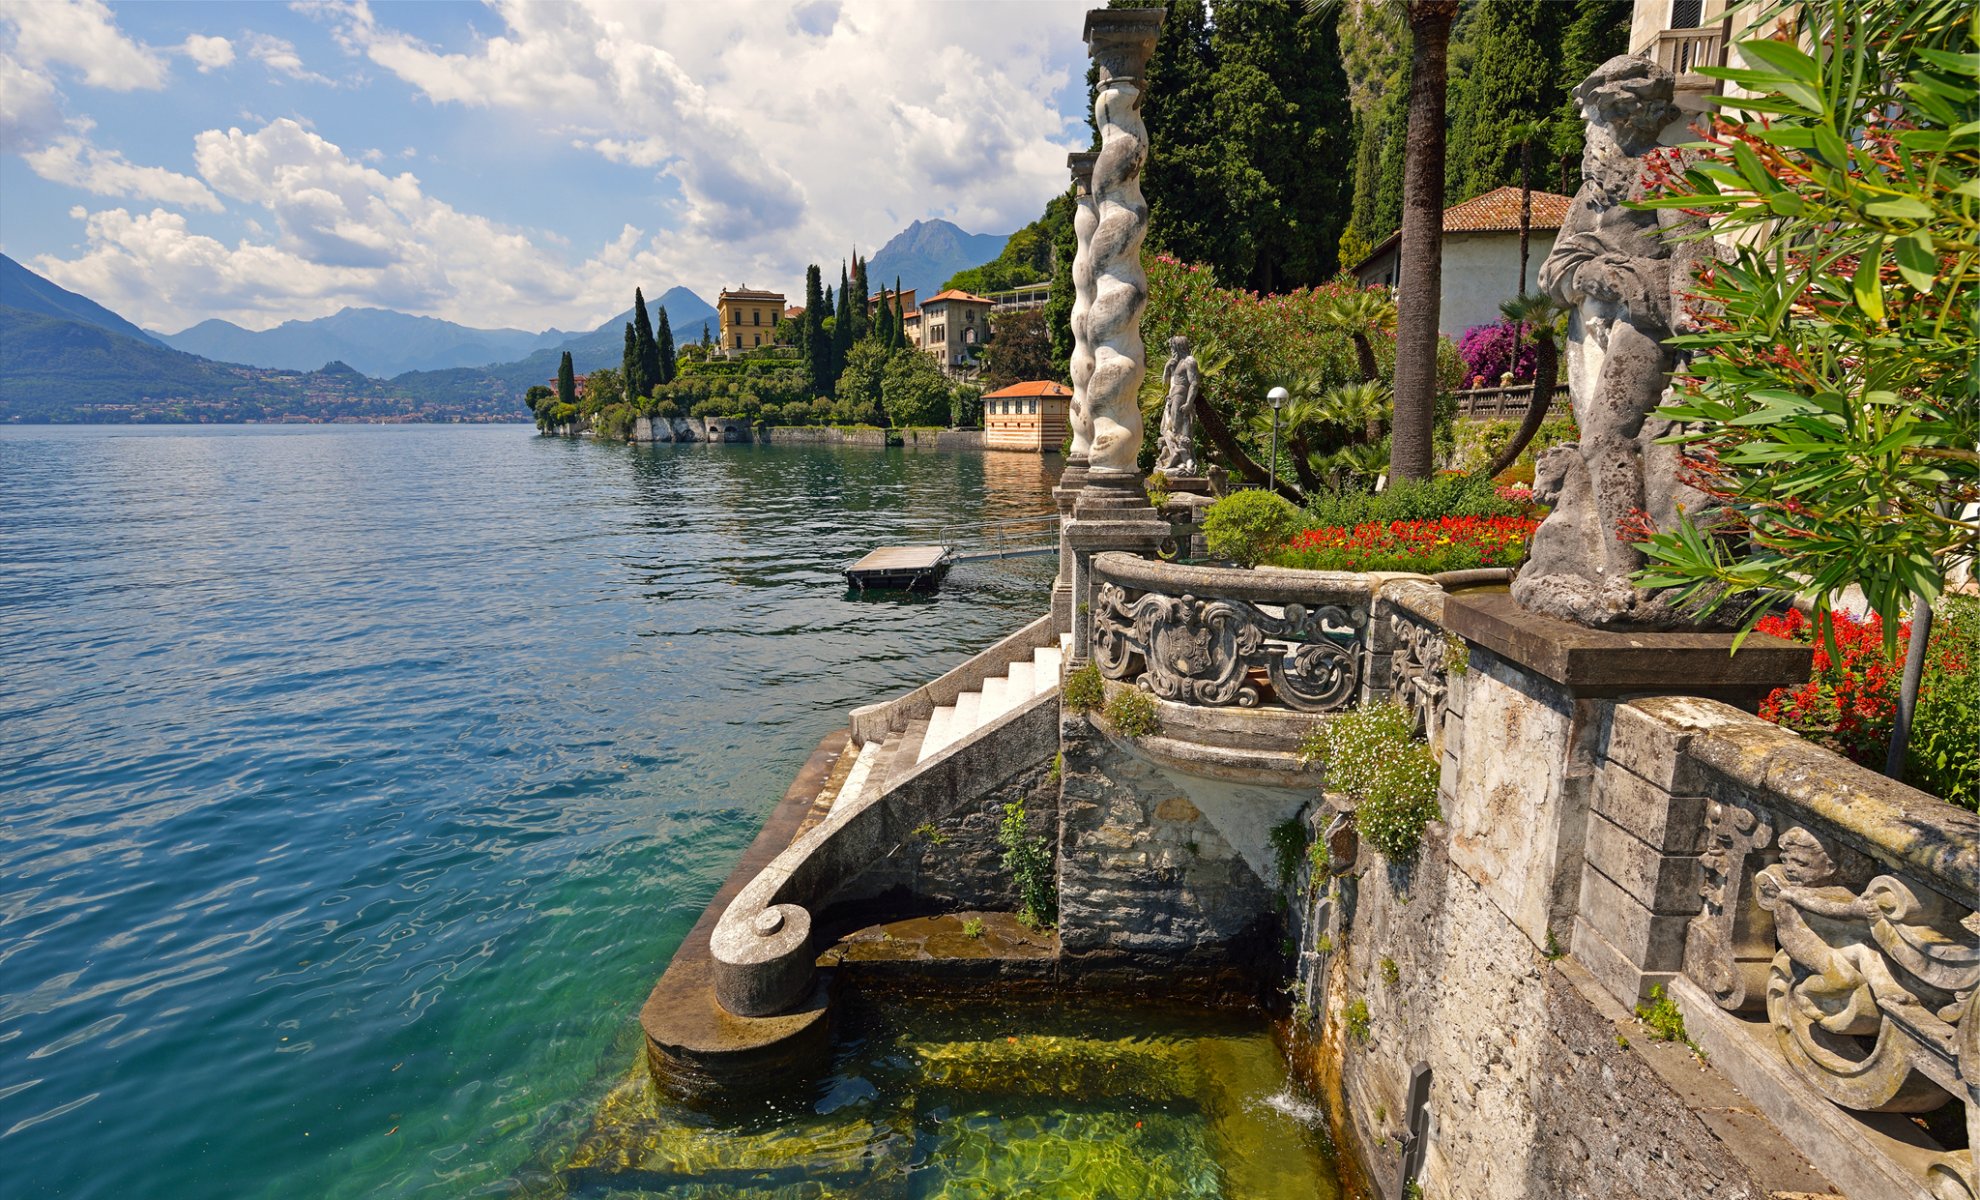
(355, 783)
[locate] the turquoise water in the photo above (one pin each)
(357, 782)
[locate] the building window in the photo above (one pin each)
(739, 341)
(1687, 14)
(756, 316)
(1031, 407)
(758, 341)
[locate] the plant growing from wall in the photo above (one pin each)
(1356, 1020)
(973, 928)
(1028, 859)
(1289, 841)
(1131, 712)
(1084, 689)
(1392, 778)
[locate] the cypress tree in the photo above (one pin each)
(650, 372)
(862, 324)
(664, 352)
(630, 366)
(842, 324)
(706, 341)
(817, 348)
(883, 322)
(900, 315)
(566, 381)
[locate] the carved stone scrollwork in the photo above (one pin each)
(1870, 989)
(1202, 650)
(1728, 946)
(1419, 675)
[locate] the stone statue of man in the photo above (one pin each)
(1176, 454)
(1622, 276)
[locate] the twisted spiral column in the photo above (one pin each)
(1121, 41)
(1073, 477)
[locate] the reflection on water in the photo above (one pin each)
(988, 1099)
(356, 783)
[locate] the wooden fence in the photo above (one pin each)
(1506, 403)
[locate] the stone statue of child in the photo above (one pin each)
(1176, 453)
(1623, 275)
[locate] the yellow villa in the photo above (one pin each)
(749, 318)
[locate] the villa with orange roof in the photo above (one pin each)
(1481, 255)
(954, 327)
(1033, 417)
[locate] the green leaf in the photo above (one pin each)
(1915, 259)
(1831, 147)
(1897, 208)
(1784, 58)
(1869, 290)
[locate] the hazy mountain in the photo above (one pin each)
(926, 253)
(22, 289)
(383, 343)
(375, 341)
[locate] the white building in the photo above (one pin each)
(1481, 255)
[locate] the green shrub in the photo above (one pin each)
(973, 928)
(1246, 526)
(1084, 690)
(1131, 712)
(1029, 861)
(1422, 500)
(1944, 755)
(1401, 803)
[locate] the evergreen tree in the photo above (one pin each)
(862, 291)
(883, 322)
(900, 315)
(650, 371)
(817, 347)
(664, 352)
(566, 381)
(842, 325)
(631, 369)
(706, 340)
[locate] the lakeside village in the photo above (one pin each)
(1601, 828)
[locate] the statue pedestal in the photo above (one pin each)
(1112, 513)
(1539, 690)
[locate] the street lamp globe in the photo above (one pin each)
(1277, 398)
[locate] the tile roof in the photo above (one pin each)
(1496, 211)
(954, 294)
(748, 294)
(1036, 387)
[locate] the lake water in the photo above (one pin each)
(357, 782)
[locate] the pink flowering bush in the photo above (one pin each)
(1487, 352)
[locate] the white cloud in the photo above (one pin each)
(344, 234)
(279, 55)
(73, 160)
(209, 53)
(790, 140)
(83, 34)
(30, 112)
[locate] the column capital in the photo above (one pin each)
(1121, 39)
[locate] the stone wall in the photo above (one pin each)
(1147, 876)
(1533, 1091)
(717, 429)
(954, 863)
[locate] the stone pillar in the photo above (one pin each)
(1073, 477)
(1543, 690)
(1112, 511)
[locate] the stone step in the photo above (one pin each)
(942, 729)
(998, 699)
(1045, 664)
(905, 753)
(1020, 676)
(862, 770)
(968, 705)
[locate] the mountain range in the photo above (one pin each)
(926, 253)
(385, 344)
(64, 357)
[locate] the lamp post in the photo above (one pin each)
(1277, 399)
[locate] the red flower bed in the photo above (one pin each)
(1444, 544)
(1846, 705)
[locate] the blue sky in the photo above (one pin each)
(510, 164)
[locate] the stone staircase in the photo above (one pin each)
(879, 763)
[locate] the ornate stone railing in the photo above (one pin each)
(1831, 920)
(1215, 636)
(1683, 51)
(1409, 620)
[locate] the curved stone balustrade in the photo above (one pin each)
(1204, 635)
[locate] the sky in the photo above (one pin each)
(512, 164)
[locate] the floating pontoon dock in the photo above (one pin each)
(902, 568)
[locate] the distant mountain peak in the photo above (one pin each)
(926, 253)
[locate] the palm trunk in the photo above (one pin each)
(1364, 356)
(1914, 670)
(1302, 455)
(1525, 210)
(1227, 445)
(1419, 281)
(1546, 366)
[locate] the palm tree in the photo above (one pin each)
(1361, 315)
(1524, 133)
(1419, 281)
(1546, 317)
